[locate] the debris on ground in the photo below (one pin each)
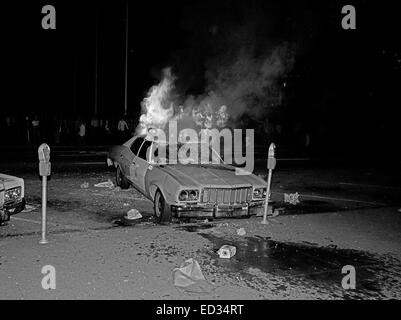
(189, 277)
(126, 204)
(399, 210)
(85, 185)
(241, 232)
(275, 213)
(221, 225)
(117, 189)
(29, 208)
(227, 252)
(133, 214)
(291, 198)
(107, 184)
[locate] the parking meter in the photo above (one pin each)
(271, 160)
(271, 164)
(44, 172)
(44, 160)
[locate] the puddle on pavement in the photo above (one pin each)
(306, 264)
(124, 222)
(195, 227)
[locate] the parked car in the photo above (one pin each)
(192, 190)
(12, 199)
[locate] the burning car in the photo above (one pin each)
(192, 190)
(12, 199)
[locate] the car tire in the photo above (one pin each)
(121, 180)
(161, 208)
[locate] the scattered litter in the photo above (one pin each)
(133, 214)
(108, 184)
(241, 232)
(275, 213)
(220, 225)
(189, 277)
(205, 221)
(126, 204)
(291, 198)
(227, 252)
(29, 208)
(85, 185)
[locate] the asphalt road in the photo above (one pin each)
(347, 215)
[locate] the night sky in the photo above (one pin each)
(346, 81)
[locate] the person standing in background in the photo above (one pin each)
(122, 129)
(81, 133)
(28, 129)
(107, 132)
(36, 130)
(94, 130)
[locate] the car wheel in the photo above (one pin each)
(121, 180)
(161, 208)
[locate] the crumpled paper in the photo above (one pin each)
(84, 185)
(133, 214)
(29, 208)
(108, 184)
(291, 198)
(189, 278)
(227, 252)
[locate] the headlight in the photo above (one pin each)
(188, 195)
(259, 193)
(12, 194)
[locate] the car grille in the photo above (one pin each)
(226, 195)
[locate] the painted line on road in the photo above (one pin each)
(336, 199)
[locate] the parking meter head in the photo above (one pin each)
(272, 150)
(44, 153)
(271, 160)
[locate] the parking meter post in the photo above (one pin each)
(44, 207)
(271, 164)
(44, 172)
(269, 178)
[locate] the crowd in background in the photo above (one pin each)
(99, 131)
(34, 130)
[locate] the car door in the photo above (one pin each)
(134, 148)
(141, 166)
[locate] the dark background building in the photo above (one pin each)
(342, 88)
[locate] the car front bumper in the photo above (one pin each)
(218, 210)
(12, 208)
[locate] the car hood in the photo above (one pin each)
(210, 176)
(8, 182)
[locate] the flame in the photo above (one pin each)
(158, 109)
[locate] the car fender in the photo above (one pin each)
(168, 186)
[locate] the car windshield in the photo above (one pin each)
(187, 153)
